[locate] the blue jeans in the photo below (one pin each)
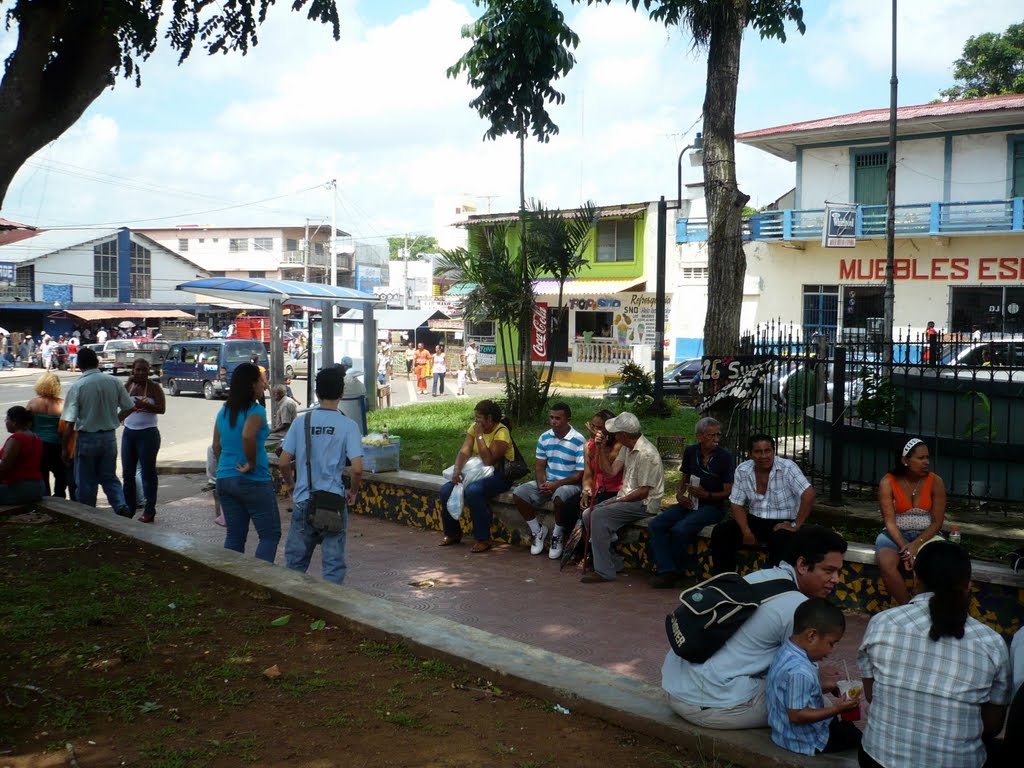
(476, 497)
(96, 465)
(302, 540)
(672, 532)
(21, 491)
(438, 382)
(242, 500)
(139, 448)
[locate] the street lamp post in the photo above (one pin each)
(698, 146)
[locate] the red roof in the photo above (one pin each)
(12, 231)
(869, 116)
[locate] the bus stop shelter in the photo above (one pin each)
(274, 294)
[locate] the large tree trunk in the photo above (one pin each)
(63, 61)
(727, 263)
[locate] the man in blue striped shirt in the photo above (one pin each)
(558, 474)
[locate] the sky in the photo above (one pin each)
(254, 140)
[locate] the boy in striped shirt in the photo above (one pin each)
(558, 477)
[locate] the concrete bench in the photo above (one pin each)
(413, 498)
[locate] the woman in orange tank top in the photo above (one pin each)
(913, 503)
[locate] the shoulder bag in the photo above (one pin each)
(516, 468)
(325, 511)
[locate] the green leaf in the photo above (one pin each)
(317, 625)
(280, 621)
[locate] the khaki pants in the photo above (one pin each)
(750, 714)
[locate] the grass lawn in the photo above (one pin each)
(432, 433)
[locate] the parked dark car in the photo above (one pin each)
(680, 381)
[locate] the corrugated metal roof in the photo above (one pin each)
(399, 319)
(613, 211)
(868, 116)
(51, 241)
(587, 287)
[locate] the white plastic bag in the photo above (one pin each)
(455, 501)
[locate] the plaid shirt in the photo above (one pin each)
(793, 683)
(927, 696)
(781, 499)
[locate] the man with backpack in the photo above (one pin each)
(727, 690)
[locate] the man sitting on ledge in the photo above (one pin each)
(728, 690)
(778, 500)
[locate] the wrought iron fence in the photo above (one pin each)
(843, 408)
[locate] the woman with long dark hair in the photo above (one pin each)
(243, 470)
(913, 503)
(938, 680)
(21, 479)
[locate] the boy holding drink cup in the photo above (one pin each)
(797, 714)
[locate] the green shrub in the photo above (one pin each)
(636, 392)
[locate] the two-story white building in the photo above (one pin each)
(959, 248)
(275, 253)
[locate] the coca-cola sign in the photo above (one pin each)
(539, 345)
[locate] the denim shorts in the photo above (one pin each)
(884, 540)
(564, 493)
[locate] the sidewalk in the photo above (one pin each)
(619, 626)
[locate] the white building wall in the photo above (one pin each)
(979, 167)
(919, 170)
(75, 266)
(825, 175)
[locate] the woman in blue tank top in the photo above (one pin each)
(243, 470)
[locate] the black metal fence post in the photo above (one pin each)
(835, 483)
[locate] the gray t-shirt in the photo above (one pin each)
(334, 438)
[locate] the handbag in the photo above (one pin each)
(515, 469)
(325, 511)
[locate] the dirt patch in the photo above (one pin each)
(112, 653)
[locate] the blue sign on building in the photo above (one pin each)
(54, 293)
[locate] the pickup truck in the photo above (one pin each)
(153, 351)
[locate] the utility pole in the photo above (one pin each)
(305, 255)
(405, 273)
(889, 298)
(333, 186)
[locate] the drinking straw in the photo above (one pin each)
(846, 670)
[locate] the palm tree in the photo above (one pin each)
(557, 241)
(520, 47)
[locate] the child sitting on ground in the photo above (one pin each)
(460, 381)
(797, 714)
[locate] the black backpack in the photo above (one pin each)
(712, 611)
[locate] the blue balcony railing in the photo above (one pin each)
(987, 217)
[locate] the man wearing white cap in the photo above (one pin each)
(353, 404)
(643, 485)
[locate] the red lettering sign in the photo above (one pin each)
(847, 269)
(937, 265)
(539, 345)
(985, 267)
(959, 268)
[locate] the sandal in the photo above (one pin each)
(481, 546)
(450, 541)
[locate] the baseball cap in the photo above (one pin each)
(624, 422)
(346, 361)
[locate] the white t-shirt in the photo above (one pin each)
(439, 365)
(334, 438)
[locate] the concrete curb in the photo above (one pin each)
(181, 468)
(582, 687)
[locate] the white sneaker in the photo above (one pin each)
(557, 543)
(538, 540)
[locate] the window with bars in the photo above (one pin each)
(257, 273)
(141, 274)
(615, 241)
(291, 244)
(238, 244)
(263, 244)
(104, 265)
(696, 273)
(183, 244)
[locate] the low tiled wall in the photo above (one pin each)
(412, 498)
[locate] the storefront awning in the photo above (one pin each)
(129, 314)
(580, 287)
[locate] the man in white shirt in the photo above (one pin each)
(285, 409)
(470, 355)
(334, 438)
(770, 500)
(727, 690)
(643, 485)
